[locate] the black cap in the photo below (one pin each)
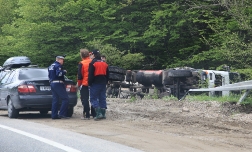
(95, 51)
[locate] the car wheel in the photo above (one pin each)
(12, 112)
(43, 112)
(70, 112)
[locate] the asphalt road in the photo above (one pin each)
(19, 135)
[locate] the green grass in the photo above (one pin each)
(230, 98)
(133, 98)
(169, 98)
(203, 97)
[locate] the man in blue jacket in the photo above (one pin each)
(56, 78)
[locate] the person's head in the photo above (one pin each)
(60, 59)
(84, 53)
(103, 57)
(90, 55)
(96, 53)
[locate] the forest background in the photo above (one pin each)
(133, 34)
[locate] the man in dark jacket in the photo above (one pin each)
(56, 78)
(98, 75)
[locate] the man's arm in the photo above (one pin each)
(107, 74)
(59, 71)
(80, 77)
(91, 73)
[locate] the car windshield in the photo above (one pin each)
(33, 73)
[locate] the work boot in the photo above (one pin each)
(103, 112)
(93, 112)
(98, 114)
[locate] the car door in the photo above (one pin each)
(8, 87)
(3, 90)
(1, 104)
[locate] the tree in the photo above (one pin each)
(230, 33)
(115, 57)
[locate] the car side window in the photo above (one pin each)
(9, 80)
(5, 78)
(2, 73)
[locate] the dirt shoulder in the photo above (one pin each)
(159, 125)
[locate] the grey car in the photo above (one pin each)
(28, 89)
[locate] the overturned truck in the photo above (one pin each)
(175, 81)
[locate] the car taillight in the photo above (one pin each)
(71, 88)
(26, 89)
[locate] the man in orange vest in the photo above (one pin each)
(83, 82)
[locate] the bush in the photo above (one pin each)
(246, 74)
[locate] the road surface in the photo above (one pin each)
(19, 135)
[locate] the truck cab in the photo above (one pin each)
(220, 78)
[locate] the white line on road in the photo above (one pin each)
(47, 141)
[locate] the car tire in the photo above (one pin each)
(179, 73)
(43, 112)
(116, 77)
(12, 112)
(70, 112)
(115, 69)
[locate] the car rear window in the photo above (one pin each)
(32, 73)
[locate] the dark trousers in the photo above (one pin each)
(84, 92)
(59, 92)
(98, 95)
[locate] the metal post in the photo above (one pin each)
(178, 87)
(243, 96)
(184, 96)
(119, 91)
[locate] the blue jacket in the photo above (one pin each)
(56, 72)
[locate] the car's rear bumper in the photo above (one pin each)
(33, 102)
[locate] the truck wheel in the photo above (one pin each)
(179, 73)
(133, 77)
(109, 92)
(166, 79)
(116, 77)
(128, 76)
(115, 69)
